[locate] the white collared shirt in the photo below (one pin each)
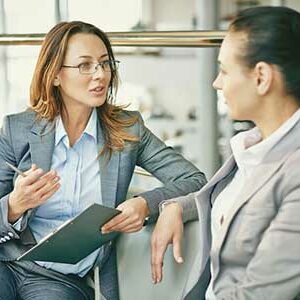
(249, 150)
(79, 173)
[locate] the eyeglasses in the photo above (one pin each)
(88, 68)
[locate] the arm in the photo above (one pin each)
(169, 230)
(6, 178)
(27, 193)
(179, 176)
(274, 271)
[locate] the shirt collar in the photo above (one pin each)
(249, 148)
(90, 129)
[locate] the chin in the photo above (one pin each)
(231, 115)
(97, 102)
(235, 115)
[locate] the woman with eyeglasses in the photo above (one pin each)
(76, 147)
(249, 212)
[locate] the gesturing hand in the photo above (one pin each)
(134, 212)
(31, 191)
(168, 230)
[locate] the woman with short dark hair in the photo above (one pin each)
(249, 211)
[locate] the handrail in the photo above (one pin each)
(196, 38)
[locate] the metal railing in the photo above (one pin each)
(196, 38)
(192, 39)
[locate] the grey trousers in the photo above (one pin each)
(29, 281)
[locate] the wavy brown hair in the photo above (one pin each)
(46, 99)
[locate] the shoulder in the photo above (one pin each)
(134, 118)
(290, 172)
(19, 122)
(291, 164)
(127, 114)
(27, 116)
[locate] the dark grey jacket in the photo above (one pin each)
(24, 141)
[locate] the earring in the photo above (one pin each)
(56, 82)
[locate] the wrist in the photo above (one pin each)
(13, 211)
(174, 206)
(145, 206)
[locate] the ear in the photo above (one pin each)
(264, 76)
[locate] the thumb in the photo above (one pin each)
(177, 250)
(34, 167)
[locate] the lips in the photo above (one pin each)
(97, 91)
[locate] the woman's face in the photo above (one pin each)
(84, 90)
(235, 80)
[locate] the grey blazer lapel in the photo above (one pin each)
(263, 173)
(204, 211)
(275, 159)
(221, 173)
(41, 141)
(109, 171)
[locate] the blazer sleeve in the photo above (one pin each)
(188, 204)
(179, 176)
(6, 181)
(274, 271)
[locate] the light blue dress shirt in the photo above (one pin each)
(78, 168)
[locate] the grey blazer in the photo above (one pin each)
(257, 255)
(24, 141)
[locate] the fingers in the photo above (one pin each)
(158, 250)
(35, 188)
(47, 190)
(131, 219)
(32, 176)
(46, 180)
(50, 193)
(168, 229)
(31, 191)
(123, 223)
(33, 167)
(177, 249)
(113, 223)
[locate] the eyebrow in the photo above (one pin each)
(88, 56)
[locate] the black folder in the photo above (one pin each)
(76, 238)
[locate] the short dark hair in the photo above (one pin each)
(273, 36)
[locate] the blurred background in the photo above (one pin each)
(170, 86)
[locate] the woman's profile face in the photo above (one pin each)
(84, 90)
(235, 80)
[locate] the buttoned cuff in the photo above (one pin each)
(7, 230)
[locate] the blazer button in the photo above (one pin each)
(2, 240)
(7, 238)
(10, 234)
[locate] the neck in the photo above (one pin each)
(75, 121)
(276, 114)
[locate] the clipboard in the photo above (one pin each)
(76, 238)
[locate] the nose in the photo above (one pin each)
(99, 71)
(217, 83)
